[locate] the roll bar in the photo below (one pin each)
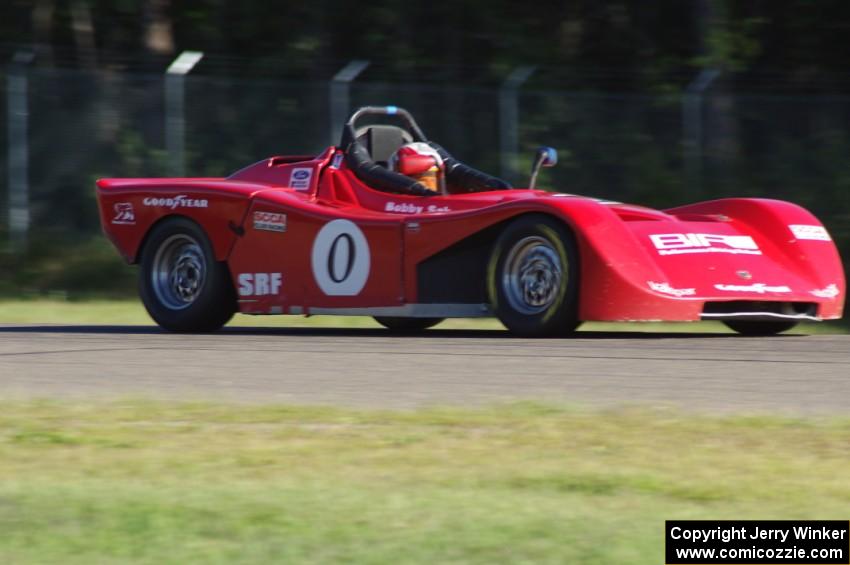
(349, 130)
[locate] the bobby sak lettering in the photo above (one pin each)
(813, 542)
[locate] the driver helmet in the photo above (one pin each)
(422, 163)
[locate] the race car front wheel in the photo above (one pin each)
(182, 286)
(532, 277)
(403, 325)
(760, 327)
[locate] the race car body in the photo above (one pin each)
(342, 233)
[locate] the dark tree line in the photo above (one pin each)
(646, 46)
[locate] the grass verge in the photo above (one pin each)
(131, 312)
(153, 482)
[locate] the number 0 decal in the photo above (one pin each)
(340, 258)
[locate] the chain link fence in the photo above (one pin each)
(629, 147)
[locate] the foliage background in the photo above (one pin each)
(609, 91)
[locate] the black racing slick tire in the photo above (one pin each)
(760, 327)
(533, 277)
(182, 286)
(405, 325)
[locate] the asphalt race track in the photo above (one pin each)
(708, 372)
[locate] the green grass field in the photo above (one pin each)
(151, 482)
(158, 482)
(120, 312)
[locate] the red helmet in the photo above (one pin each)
(420, 162)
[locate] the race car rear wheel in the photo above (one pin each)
(407, 324)
(760, 327)
(532, 277)
(182, 286)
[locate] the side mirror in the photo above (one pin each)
(543, 157)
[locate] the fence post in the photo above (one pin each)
(17, 108)
(509, 121)
(340, 90)
(692, 130)
(175, 109)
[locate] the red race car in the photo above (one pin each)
(389, 224)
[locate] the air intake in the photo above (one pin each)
(759, 310)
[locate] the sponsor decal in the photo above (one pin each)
(681, 243)
(269, 221)
(124, 213)
(259, 284)
(300, 178)
(814, 233)
(410, 208)
(759, 288)
(829, 292)
(174, 202)
(337, 161)
(667, 289)
(340, 258)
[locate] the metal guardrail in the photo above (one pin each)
(64, 127)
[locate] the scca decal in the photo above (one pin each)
(341, 258)
(269, 221)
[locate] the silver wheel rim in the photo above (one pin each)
(532, 275)
(179, 271)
